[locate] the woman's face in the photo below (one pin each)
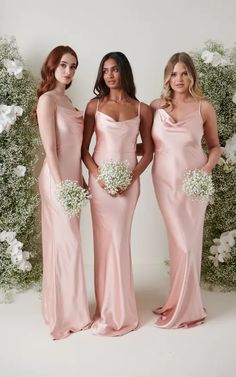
(179, 79)
(111, 74)
(65, 70)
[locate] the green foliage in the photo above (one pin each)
(18, 196)
(219, 85)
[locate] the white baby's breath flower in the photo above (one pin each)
(72, 197)
(198, 184)
(14, 67)
(115, 175)
(20, 170)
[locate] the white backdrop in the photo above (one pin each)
(148, 32)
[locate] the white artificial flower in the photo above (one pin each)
(24, 265)
(10, 237)
(14, 67)
(227, 238)
(16, 258)
(18, 110)
(20, 170)
(221, 250)
(214, 58)
(26, 255)
(217, 59)
(234, 98)
(230, 146)
(3, 235)
(14, 247)
(8, 116)
(214, 260)
(207, 56)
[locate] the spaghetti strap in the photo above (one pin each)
(200, 106)
(139, 105)
(98, 102)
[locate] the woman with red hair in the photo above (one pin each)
(65, 306)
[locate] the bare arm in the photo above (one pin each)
(89, 122)
(154, 105)
(147, 144)
(46, 122)
(211, 136)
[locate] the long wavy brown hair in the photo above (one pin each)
(52, 61)
(48, 81)
(194, 87)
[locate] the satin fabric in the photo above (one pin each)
(65, 306)
(116, 312)
(177, 149)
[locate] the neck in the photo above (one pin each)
(60, 89)
(181, 97)
(118, 96)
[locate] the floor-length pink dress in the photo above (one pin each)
(116, 312)
(177, 149)
(65, 306)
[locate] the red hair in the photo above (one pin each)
(49, 66)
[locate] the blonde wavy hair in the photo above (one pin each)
(194, 87)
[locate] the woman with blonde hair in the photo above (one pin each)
(182, 116)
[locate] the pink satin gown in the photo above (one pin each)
(65, 306)
(177, 148)
(116, 312)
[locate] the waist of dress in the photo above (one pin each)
(119, 151)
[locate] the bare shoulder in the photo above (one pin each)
(144, 108)
(207, 109)
(157, 103)
(206, 105)
(46, 100)
(92, 106)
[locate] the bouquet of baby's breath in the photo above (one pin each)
(198, 184)
(116, 176)
(72, 197)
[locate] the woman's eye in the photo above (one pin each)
(63, 65)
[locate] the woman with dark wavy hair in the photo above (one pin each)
(65, 306)
(117, 118)
(182, 116)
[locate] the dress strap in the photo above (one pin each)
(139, 105)
(200, 102)
(98, 102)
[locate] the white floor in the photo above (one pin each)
(209, 350)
